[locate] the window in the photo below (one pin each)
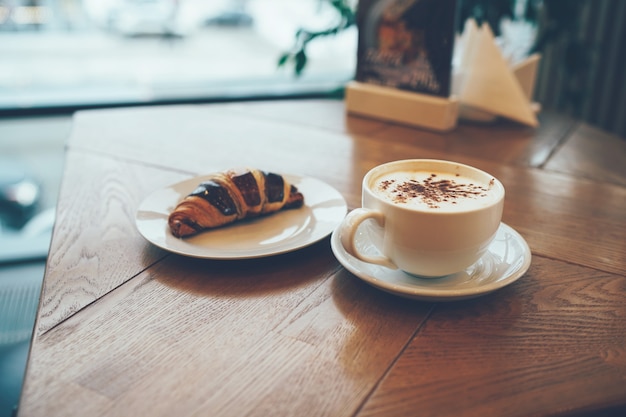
(72, 53)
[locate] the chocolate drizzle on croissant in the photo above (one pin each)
(232, 195)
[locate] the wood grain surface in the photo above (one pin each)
(552, 332)
(125, 328)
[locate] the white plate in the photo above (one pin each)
(284, 231)
(507, 259)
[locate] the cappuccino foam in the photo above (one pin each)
(440, 191)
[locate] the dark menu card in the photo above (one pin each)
(406, 44)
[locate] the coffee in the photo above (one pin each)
(431, 217)
(435, 190)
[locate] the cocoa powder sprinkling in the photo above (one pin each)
(432, 191)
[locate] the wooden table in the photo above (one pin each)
(125, 328)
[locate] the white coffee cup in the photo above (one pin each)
(431, 225)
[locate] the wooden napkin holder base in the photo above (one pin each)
(405, 107)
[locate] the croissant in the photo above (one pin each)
(232, 195)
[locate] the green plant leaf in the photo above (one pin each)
(300, 61)
(283, 59)
(297, 54)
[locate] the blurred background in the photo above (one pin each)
(61, 56)
(68, 53)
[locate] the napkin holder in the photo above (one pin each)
(405, 107)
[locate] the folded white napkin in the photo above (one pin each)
(486, 85)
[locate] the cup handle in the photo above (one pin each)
(348, 230)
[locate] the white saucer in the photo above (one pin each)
(284, 231)
(507, 259)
